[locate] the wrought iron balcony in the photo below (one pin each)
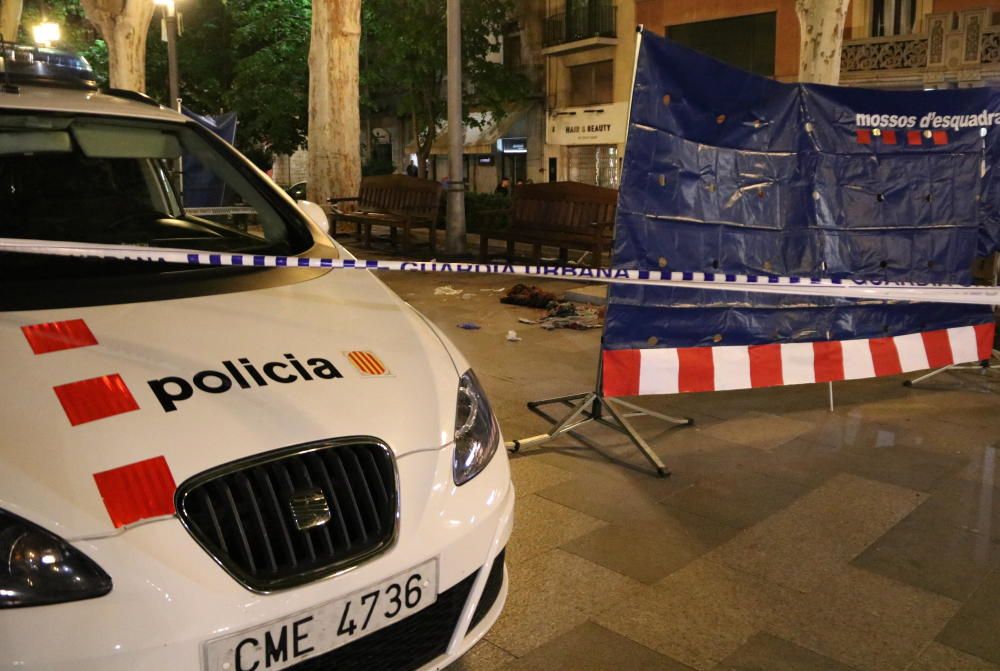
(593, 19)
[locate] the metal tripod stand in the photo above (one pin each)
(594, 406)
(991, 365)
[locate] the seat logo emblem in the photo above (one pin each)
(309, 508)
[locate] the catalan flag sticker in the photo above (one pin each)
(367, 363)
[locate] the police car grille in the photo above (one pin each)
(242, 514)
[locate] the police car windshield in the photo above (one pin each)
(133, 182)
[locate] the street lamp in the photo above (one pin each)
(170, 21)
(46, 33)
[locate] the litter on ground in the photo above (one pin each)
(446, 290)
(532, 297)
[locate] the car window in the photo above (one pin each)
(124, 181)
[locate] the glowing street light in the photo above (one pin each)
(45, 34)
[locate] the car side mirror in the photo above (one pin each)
(316, 214)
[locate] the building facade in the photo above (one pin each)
(589, 52)
(922, 44)
(580, 54)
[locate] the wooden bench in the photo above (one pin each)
(567, 215)
(396, 201)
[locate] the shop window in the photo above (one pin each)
(746, 42)
(591, 84)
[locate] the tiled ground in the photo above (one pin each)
(788, 537)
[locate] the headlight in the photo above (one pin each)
(38, 568)
(476, 432)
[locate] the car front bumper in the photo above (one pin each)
(170, 597)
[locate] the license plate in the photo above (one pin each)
(282, 643)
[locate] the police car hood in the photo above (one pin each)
(207, 380)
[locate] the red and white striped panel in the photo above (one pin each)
(636, 372)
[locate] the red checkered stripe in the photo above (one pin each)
(636, 372)
(900, 137)
(132, 492)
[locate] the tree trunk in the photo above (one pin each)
(124, 26)
(334, 105)
(10, 19)
(821, 33)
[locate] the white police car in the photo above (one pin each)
(239, 468)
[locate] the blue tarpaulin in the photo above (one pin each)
(728, 172)
(202, 188)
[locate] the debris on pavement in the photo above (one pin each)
(469, 326)
(513, 337)
(494, 291)
(569, 316)
(559, 314)
(447, 290)
(532, 297)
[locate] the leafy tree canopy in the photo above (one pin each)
(248, 56)
(404, 61)
(251, 56)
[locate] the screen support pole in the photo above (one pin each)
(594, 406)
(984, 367)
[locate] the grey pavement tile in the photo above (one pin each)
(737, 500)
(903, 465)
(966, 401)
(761, 430)
(984, 466)
(618, 500)
(551, 594)
(937, 657)
(614, 458)
(688, 452)
(541, 525)
(886, 400)
(965, 504)
(700, 614)
(590, 647)
(911, 467)
(764, 652)
(865, 620)
(932, 555)
(856, 430)
(865, 504)
(531, 475)
(484, 656)
(957, 428)
(974, 629)
(800, 461)
(648, 552)
(811, 540)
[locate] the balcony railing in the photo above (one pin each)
(885, 53)
(952, 46)
(596, 19)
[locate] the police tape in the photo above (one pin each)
(879, 290)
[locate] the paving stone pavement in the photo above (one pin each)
(787, 538)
